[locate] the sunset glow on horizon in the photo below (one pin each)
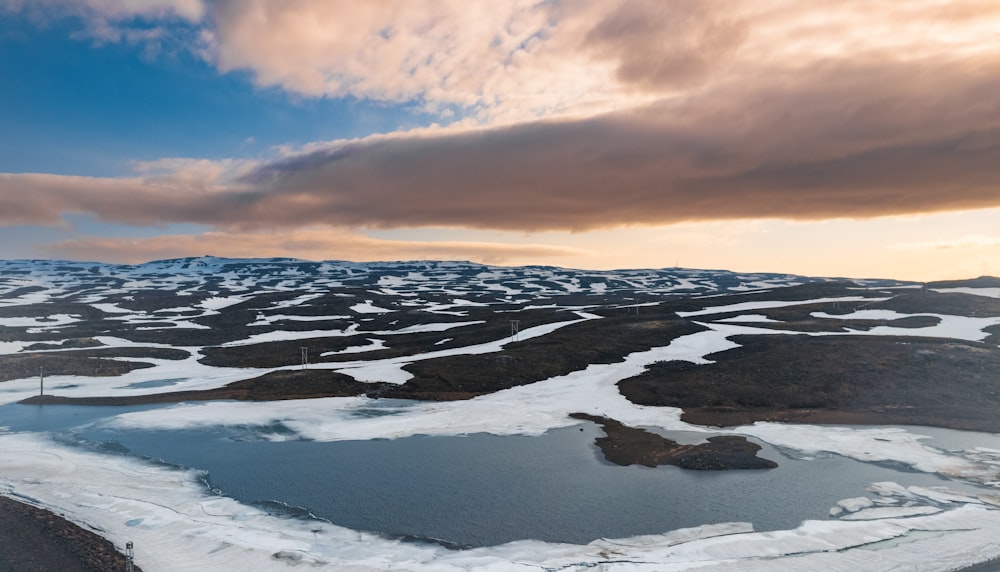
(852, 139)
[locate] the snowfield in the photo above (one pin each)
(176, 524)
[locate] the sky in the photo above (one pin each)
(856, 138)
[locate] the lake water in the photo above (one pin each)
(480, 489)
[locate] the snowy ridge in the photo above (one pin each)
(208, 274)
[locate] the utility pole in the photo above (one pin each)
(41, 380)
(129, 558)
(305, 357)
(515, 328)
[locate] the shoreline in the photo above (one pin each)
(37, 539)
(262, 389)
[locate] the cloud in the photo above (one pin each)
(977, 241)
(309, 243)
(518, 60)
(158, 27)
(665, 45)
(522, 59)
(43, 199)
(860, 139)
(108, 10)
(711, 110)
(440, 52)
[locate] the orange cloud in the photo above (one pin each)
(311, 243)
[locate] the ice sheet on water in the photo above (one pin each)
(941, 496)
(176, 524)
(873, 444)
(882, 512)
(855, 504)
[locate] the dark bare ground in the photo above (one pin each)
(450, 378)
(623, 445)
(273, 386)
(566, 350)
(37, 540)
(842, 379)
(17, 366)
(284, 353)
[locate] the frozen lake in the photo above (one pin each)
(481, 489)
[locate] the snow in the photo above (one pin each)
(940, 496)
(218, 303)
(455, 303)
(744, 306)
(390, 370)
(890, 512)
(175, 524)
(30, 298)
(855, 504)
(432, 327)
(197, 376)
(750, 318)
(263, 320)
(374, 344)
(988, 292)
(367, 308)
(524, 410)
(51, 321)
(956, 327)
(7, 348)
(176, 324)
(873, 444)
(297, 301)
(111, 308)
(283, 335)
(351, 330)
